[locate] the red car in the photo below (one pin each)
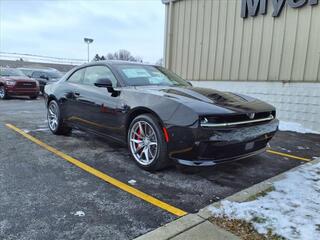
(14, 83)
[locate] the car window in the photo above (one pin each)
(77, 76)
(44, 75)
(94, 73)
(144, 75)
(36, 74)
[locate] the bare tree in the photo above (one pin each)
(124, 55)
(110, 56)
(96, 58)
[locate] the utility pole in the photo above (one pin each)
(88, 41)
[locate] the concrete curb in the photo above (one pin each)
(197, 226)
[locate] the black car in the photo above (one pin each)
(43, 76)
(161, 117)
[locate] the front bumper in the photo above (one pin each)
(14, 91)
(211, 146)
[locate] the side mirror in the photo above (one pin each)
(105, 83)
(189, 82)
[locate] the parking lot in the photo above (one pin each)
(85, 187)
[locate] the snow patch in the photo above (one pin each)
(303, 148)
(294, 127)
(291, 210)
(41, 130)
(132, 182)
(80, 214)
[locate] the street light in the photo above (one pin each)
(88, 41)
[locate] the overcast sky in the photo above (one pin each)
(57, 28)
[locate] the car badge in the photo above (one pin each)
(205, 120)
(251, 115)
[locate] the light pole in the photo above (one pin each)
(88, 41)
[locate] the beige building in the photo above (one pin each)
(264, 48)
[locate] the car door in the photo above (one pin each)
(71, 89)
(99, 108)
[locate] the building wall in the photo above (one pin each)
(272, 59)
(208, 40)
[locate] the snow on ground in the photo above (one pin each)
(294, 127)
(291, 210)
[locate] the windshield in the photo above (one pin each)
(54, 74)
(27, 72)
(143, 75)
(8, 72)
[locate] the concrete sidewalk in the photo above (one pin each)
(197, 226)
(192, 226)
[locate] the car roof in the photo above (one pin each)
(115, 62)
(39, 69)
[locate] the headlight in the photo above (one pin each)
(10, 83)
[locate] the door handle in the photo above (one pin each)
(77, 94)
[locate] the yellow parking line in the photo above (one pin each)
(289, 155)
(103, 176)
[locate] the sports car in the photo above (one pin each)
(161, 117)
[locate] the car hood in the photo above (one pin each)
(211, 101)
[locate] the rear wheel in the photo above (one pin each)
(55, 121)
(147, 144)
(3, 94)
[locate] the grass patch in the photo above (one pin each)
(243, 229)
(260, 194)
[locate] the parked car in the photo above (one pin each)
(14, 83)
(43, 76)
(160, 116)
(26, 71)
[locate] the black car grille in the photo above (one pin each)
(25, 85)
(214, 151)
(238, 119)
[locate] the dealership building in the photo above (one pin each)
(268, 49)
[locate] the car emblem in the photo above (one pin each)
(204, 120)
(251, 115)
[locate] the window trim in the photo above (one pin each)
(115, 74)
(83, 77)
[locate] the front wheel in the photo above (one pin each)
(3, 94)
(147, 143)
(55, 121)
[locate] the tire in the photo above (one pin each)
(55, 122)
(3, 93)
(33, 97)
(138, 142)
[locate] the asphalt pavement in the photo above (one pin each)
(43, 196)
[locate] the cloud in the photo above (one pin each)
(57, 28)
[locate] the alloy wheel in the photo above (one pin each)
(143, 143)
(53, 117)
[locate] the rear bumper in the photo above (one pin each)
(211, 146)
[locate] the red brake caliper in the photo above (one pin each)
(138, 144)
